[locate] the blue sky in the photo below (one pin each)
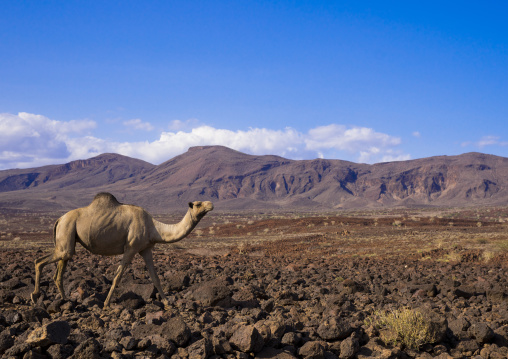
(363, 81)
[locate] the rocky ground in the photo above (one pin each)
(265, 286)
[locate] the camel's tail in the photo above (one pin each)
(54, 231)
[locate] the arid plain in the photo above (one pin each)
(395, 283)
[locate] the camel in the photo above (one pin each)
(108, 227)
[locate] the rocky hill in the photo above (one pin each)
(236, 180)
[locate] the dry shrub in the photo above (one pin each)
(407, 327)
(503, 245)
(487, 256)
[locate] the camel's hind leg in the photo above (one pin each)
(58, 278)
(65, 242)
(39, 265)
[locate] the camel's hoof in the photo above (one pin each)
(34, 298)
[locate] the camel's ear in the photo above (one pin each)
(191, 205)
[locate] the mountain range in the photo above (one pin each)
(235, 180)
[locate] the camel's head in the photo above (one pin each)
(199, 209)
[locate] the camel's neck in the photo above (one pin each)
(170, 233)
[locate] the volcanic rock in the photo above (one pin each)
(212, 293)
(247, 339)
(481, 332)
(176, 330)
(334, 329)
(312, 350)
(53, 333)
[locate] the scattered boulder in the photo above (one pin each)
(89, 349)
(159, 344)
(349, 347)
(176, 330)
(312, 350)
(481, 332)
(53, 333)
(176, 280)
(60, 351)
(6, 341)
(334, 329)
(247, 339)
(213, 293)
(200, 349)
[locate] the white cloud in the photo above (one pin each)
(486, 141)
(34, 140)
(417, 134)
(137, 124)
(367, 143)
(28, 140)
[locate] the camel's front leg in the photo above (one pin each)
(147, 256)
(126, 260)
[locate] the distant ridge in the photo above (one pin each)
(234, 179)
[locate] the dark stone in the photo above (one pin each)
(334, 329)
(200, 349)
(290, 338)
(55, 306)
(245, 298)
(93, 323)
(176, 280)
(246, 338)
(131, 300)
(467, 346)
(221, 346)
(213, 293)
(145, 290)
(13, 317)
(463, 292)
(161, 345)
(112, 346)
(312, 350)
(6, 341)
(459, 327)
(176, 330)
(94, 299)
(35, 315)
(129, 342)
(497, 294)
(268, 305)
(60, 351)
(144, 343)
(33, 354)
(117, 334)
(481, 332)
(349, 347)
(53, 333)
(89, 349)
(17, 350)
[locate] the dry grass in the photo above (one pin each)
(406, 327)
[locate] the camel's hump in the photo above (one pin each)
(105, 198)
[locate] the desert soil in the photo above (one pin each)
(267, 285)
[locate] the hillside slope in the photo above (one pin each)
(236, 180)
